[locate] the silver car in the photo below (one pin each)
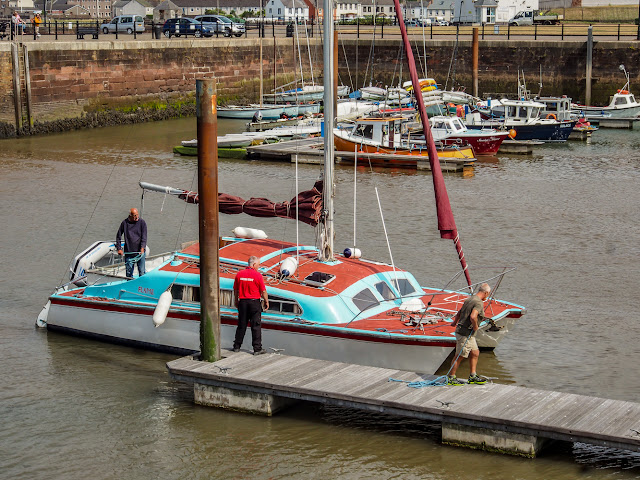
(221, 24)
(124, 23)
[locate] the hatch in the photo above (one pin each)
(319, 279)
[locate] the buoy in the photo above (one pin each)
(623, 92)
(512, 133)
(352, 252)
(243, 232)
(551, 115)
(288, 266)
(162, 308)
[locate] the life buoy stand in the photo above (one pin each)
(551, 115)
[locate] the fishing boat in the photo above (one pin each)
(322, 304)
(451, 131)
(622, 104)
(385, 135)
(524, 118)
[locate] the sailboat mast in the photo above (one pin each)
(326, 250)
(446, 223)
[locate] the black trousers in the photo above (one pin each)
(249, 312)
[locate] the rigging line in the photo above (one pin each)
(184, 212)
(95, 207)
(313, 82)
(424, 40)
(346, 60)
(452, 63)
(297, 40)
(355, 188)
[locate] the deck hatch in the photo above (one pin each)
(319, 279)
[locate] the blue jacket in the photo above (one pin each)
(135, 235)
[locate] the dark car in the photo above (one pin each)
(185, 26)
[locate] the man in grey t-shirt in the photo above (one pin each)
(466, 322)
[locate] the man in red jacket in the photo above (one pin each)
(249, 287)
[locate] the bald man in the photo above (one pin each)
(134, 230)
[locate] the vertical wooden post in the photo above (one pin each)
(206, 111)
(474, 61)
(587, 91)
(27, 86)
(17, 97)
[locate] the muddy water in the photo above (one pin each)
(566, 217)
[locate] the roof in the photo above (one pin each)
(167, 5)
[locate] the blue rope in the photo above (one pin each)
(440, 381)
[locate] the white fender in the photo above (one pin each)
(352, 252)
(243, 232)
(288, 267)
(162, 308)
(41, 321)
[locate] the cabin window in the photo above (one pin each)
(364, 299)
(404, 286)
(632, 99)
(621, 101)
(185, 293)
(365, 131)
(385, 291)
(283, 305)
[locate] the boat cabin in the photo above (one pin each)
(558, 108)
(385, 132)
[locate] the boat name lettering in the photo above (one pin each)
(146, 290)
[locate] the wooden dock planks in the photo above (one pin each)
(548, 414)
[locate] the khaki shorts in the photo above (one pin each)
(471, 344)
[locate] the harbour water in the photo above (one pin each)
(566, 217)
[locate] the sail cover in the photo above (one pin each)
(446, 223)
(309, 203)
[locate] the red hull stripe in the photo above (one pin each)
(291, 328)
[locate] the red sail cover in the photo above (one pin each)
(309, 205)
(446, 223)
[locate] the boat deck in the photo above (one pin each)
(495, 407)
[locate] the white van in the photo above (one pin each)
(124, 24)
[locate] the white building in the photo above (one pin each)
(287, 10)
(489, 11)
(427, 11)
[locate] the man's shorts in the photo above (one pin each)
(470, 344)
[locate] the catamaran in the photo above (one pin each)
(324, 305)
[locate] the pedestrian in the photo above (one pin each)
(249, 287)
(134, 230)
(466, 322)
(16, 24)
(37, 20)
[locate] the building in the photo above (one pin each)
(287, 10)
(132, 7)
(429, 12)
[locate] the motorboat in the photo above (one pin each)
(523, 117)
(267, 111)
(622, 104)
(450, 130)
(388, 135)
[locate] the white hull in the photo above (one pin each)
(183, 335)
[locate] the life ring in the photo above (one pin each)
(551, 115)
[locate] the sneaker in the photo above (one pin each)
(236, 349)
(453, 380)
(477, 379)
(260, 352)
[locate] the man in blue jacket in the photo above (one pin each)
(134, 230)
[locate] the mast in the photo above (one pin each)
(326, 250)
(446, 223)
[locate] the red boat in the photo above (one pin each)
(450, 131)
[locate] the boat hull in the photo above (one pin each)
(413, 155)
(547, 132)
(180, 334)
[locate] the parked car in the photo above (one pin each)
(442, 23)
(185, 26)
(221, 24)
(124, 23)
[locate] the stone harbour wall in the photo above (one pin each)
(76, 84)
